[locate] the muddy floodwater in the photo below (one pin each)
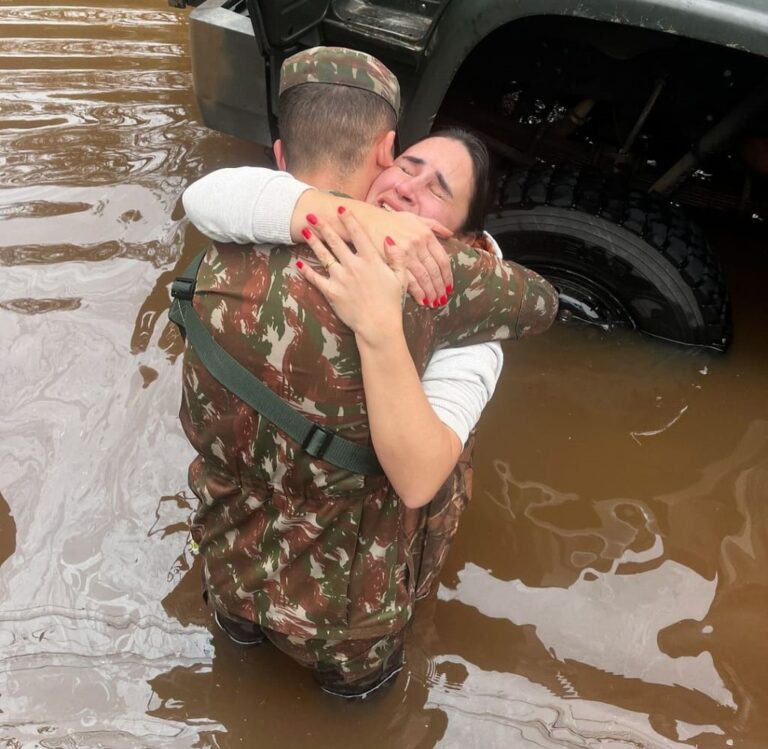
(608, 587)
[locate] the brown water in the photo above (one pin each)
(607, 588)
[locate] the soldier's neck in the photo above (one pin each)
(355, 185)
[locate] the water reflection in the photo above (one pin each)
(39, 306)
(105, 17)
(616, 573)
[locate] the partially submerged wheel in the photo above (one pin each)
(618, 257)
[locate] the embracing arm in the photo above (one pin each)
(260, 205)
(415, 448)
(496, 300)
(410, 434)
(243, 205)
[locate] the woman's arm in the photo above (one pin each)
(244, 205)
(416, 450)
(430, 280)
(261, 205)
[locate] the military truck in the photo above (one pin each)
(614, 123)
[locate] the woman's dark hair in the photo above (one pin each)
(481, 173)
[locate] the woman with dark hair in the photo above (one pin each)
(445, 163)
(474, 222)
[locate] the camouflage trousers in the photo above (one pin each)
(339, 665)
(428, 534)
(361, 664)
(346, 667)
(429, 531)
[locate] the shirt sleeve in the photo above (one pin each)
(245, 205)
(459, 382)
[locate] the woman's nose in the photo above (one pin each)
(405, 190)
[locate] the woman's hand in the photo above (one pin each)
(364, 288)
(428, 266)
(426, 261)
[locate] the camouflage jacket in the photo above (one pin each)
(289, 541)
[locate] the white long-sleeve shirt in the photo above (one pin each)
(255, 204)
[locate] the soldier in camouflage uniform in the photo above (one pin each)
(311, 554)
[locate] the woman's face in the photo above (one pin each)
(432, 178)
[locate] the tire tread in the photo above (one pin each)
(663, 226)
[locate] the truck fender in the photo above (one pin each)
(463, 25)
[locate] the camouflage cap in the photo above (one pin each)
(344, 67)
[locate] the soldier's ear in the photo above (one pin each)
(277, 148)
(385, 150)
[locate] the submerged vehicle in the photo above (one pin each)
(614, 123)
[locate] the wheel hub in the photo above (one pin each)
(584, 301)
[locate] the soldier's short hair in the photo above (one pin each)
(334, 103)
(325, 125)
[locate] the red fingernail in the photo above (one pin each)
(312, 219)
(306, 233)
(299, 264)
(341, 209)
(449, 289)
(425, 302)
(435, 303)
(443, 299)
(389, 241)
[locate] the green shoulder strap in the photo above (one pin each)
(319, 442)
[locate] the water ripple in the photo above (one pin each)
(108, 48)
(73, 15)
(25, 83)
(40, 306)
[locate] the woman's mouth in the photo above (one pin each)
(387, 205)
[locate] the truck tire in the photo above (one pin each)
(618, 257)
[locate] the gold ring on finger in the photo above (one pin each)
(329, 263)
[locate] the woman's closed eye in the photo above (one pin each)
(437, 190)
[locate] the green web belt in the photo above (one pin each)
(316, 440)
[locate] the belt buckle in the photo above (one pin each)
(183, 288)
(317, 441)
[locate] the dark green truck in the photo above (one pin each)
(614, 121)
